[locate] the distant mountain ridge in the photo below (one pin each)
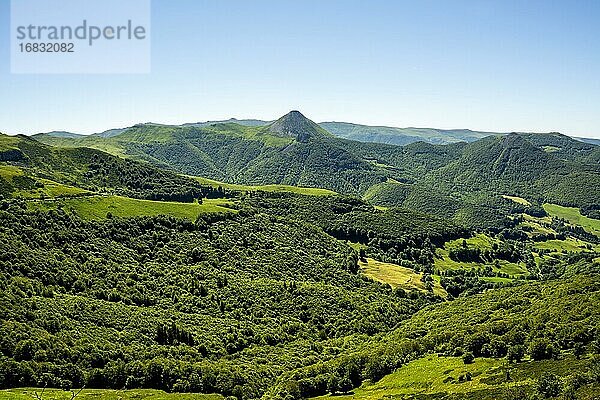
(345, 130)
(292, 150)
(402, 136)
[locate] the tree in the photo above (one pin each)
(363, 254)
(595, 368)
(498, 348)
(25, 350)
(515, 393)
(468, 358)
(345, 384)
(333, 383)
(542, 349)
(549, 385)
(579, 350)
(516, 353)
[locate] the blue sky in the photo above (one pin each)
(486, 65)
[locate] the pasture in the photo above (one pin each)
(97, 207)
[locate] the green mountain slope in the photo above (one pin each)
(292, 150)
(226, 304)
(31, 162)
(565, 147)
(498, 326)
(470, 187)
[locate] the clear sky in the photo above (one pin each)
(486, 65)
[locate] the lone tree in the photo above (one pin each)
(468, 358)
(516, 353)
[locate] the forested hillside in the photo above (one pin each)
(543, 323)
(471, 186)
(225, 304)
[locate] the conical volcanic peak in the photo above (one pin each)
(296, 125)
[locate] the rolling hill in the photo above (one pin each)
(34, 165)
(293, 150)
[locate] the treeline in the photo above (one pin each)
(133, 179)
(505, 251)
(468, 282)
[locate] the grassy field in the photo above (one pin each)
(573, 216)
(443, 262)
(518, 200)
(267, 188)
(570, 244)
(536, 229)
(480, 241)
(51, 189)
(94, 142)
(97, 207)
(8, 171)
(397, 276)
(434, 377)
(96, 394)
(431, 375)
(536, 226)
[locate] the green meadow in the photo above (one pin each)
(573, 216)
(443, 262)
(9, 171)
(397, 276)
(433, 377)
(568, 245)
(517, 199)
(267, 188)
(97, 207)
(51, 189)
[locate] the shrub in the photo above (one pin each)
(468, 358)
(549, 385)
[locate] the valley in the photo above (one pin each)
(278, 260)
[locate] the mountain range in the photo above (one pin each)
(457, 180)
(347, 130)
